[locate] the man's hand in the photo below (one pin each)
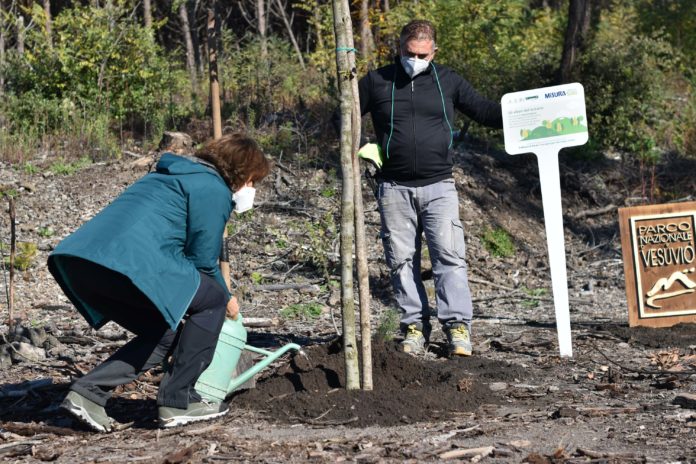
(232, 308)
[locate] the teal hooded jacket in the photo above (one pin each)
(160, 232)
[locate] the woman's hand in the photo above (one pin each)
(233, 308)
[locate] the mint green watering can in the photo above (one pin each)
(217, 382)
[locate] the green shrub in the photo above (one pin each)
(498, 243)
(302, 311)
(62, 168)
(24, 255)
(388, 324)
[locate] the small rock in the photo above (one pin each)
(553, 388)
(334, 298)
(5, 358)
(498, 386)
(177, 142)
(37, 335)
(26, 352)
(51, 342)
(311, 290)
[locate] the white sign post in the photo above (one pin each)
(542, 121)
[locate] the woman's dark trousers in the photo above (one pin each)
(192, 346)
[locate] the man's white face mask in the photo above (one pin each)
(414, 65)
(243, 199)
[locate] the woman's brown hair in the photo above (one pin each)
(237, 158)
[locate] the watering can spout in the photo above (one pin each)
(217, 381)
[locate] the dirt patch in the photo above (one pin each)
(678, 336)
(406, 389)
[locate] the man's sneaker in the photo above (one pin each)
(414, 342)
(459, 340)
(205, 410)
(88, 412)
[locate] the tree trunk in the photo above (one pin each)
(147, 14)
(2, 51)
(213, 72)
(317, 25)
(361, 245)
(20, 35)
(576, 32)
(190, 53)
(261, 18)
(288, 26)
(367, 42)
(13, 245)
(386, 6)
(49, 23)
(343, 31)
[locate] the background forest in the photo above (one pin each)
(88, 80)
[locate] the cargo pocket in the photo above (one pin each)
(458, 244)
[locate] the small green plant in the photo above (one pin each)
(25, 254)
(533, 292)
(29, 168)
(62, 168)
(45, 232)
(257, 278)
(498, 243)
(302, 311)
(388, 325)
(328, 192)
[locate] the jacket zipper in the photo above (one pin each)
(413, 119)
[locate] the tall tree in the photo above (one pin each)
(575, 37)
(190, 53)
(147, 14)
(346, 73)
(262, 27)
(367, 42)
(49, 23)
(288, 25)
(20, 34)
(2, 49)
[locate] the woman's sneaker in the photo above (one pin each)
(459, 340)
(87, 412)
(204, 410)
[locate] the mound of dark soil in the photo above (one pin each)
(678, 336)
(406, 389)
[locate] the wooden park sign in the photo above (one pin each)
(659, 253)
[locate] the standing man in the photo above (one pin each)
(412, 105)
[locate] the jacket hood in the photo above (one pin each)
(170, 163)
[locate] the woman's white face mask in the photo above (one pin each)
(244, 199)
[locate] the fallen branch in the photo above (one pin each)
(31, 429)
(593, 212)
(260, 321)
(475, 453)
(280, 287)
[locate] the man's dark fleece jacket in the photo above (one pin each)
(419, 148)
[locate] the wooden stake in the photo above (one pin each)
(217, 120)
(360, 241)
(346, 73)
(13, 247)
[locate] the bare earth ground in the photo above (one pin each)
(514, 401)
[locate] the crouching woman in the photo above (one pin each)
(149, 262)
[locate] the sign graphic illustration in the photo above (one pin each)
(659, 250)
(542, 121)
